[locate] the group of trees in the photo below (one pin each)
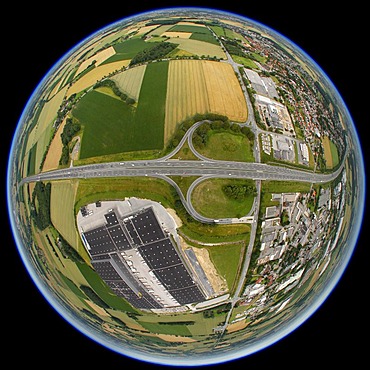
(70, 130)
(185, 125)
(112, 85)
(158, 51)
(40, 206)
(239, 191)
(93, 296)
(68, 251)
(201, 135)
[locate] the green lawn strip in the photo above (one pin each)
(73, 287)
(200, 325)
(91, 190)
(31, 166)
(184, 182)
(169, 328)
(196, 233)
(150, 113)
(248, 63)
(209, 199)
(334, 154)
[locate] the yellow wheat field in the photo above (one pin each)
(96, 75)
(200, 86)
(45, 120)
(225, 94)
(99, 58)
(186, 93)
(55, 150)
(130, 81)
(184, 35)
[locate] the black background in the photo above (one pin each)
(36, 37)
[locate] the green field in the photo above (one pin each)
(227, 259)
(111, 126)
(150, 113)
(165, 328)
(32, 161)
(227, 146)
(62, 212)
(128, 49)
(198, 33)
(210, 201)
(248, 63)
(108, 125)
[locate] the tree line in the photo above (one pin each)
(40, 205)
(70, 130)
(239, 191)
(158, 51)
(113, 86)
(201, 135)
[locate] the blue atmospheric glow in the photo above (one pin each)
(196, 360)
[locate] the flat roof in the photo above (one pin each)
(140, 231)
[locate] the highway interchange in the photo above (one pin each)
(203, 168)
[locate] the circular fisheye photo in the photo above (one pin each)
(185, 186)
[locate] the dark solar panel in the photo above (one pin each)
(121, 289)
(147, 226)
(111, 219)
(101, 257)
(106, 270)
(160, 254)
(132, 232)
(191, 294)
(119, 238)
(174, 277)
(99, 241)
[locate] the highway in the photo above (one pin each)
(204, 168)
(175, 167)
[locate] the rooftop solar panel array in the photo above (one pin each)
(190, 294)
(132, 233)
(144, 232)
(160, 254)
(121, 289)
(169, 269)
(111, 218)
(148, 226)
(99, 241)
(106, 270)
(118, 237)
(126, 287)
